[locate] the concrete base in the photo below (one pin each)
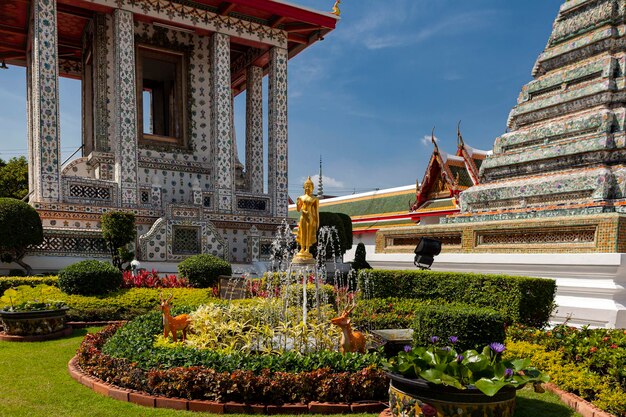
(591, 287)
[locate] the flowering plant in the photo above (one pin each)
(484, 370)
(151, 279)
(14, 301)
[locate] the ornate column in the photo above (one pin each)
(223, 163)
(125, 112)
(103, 82)
(277, 143)
(254, 129)
(43, 90)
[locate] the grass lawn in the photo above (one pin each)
(34, 382)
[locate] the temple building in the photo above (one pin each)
(158, 82)
(551, 199)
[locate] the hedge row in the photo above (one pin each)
(473, 326)
(573, 377)
(240, 385)
(525, 300)
(9, 282)
(126, 304)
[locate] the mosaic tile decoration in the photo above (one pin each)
(221, 122)
(277, 131)
(104, 85)
(125, 115)
(254, 129)
(45, 120)
(195, 16)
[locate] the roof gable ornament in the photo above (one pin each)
(336, 10)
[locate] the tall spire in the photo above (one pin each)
(320, 185)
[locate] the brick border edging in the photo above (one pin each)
(37, 338)
(582, 407)
(147, 400)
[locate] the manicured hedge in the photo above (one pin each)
(8, 282)
(90, 277)
(203, 271)
(473, 326)
(386, 313)
(525, 300)
(127, 304)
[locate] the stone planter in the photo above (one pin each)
(33, 323)
(418, 398)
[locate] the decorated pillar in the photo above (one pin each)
(125, 111)
(277, 143)
(223, 154)
(43, 93)
(104, 83)
(254, 129)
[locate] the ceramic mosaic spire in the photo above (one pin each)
(565, 153)
(320, 185)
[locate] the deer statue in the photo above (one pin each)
(173, 324)
(351, 341)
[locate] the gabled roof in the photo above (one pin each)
(448, 175)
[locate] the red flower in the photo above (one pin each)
(613, 346)
(605, 339)
(593, 349)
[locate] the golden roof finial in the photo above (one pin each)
(460, 142)
(336, 10)
(433, 139)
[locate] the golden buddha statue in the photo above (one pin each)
(308, 205)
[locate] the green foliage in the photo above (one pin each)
(136, 343)
(14, 178)
(118, 230)
(20, 227)
(203, 271)
(474, 326)
(9, 282)
(359, 258)
(485, 370)
(347, 230)
(120, 305)
(332, 220)
(89, 277)
(525, 300)
(573, 377)
(26, 298)
(274, 284)
(261, 325)
(386, 313)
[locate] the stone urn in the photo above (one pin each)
(33, 323)
(419, 398)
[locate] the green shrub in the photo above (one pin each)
(203, 271)
(386, 313)
(123, 304)
(473, 326)
(525, 300)
(118, 230)
(359, 258)
(90, 278)
(8, 282)
(20, 227)
(347, 230)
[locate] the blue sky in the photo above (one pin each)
(367, 96)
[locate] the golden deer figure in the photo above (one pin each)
(173, 324)
(351, 341)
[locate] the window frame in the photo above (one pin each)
(180, 60)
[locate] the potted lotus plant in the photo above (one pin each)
(23, 316)
(438, 381)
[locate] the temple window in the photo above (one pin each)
(160, 79)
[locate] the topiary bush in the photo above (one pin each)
(20, 227)
(525, 300)
(473, 326)
(90, 278)
(359, 258)
(347, 230)
(203, 271)
(118, 230)
(9, 282)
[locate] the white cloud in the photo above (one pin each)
(426, 140)
(328, 182)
